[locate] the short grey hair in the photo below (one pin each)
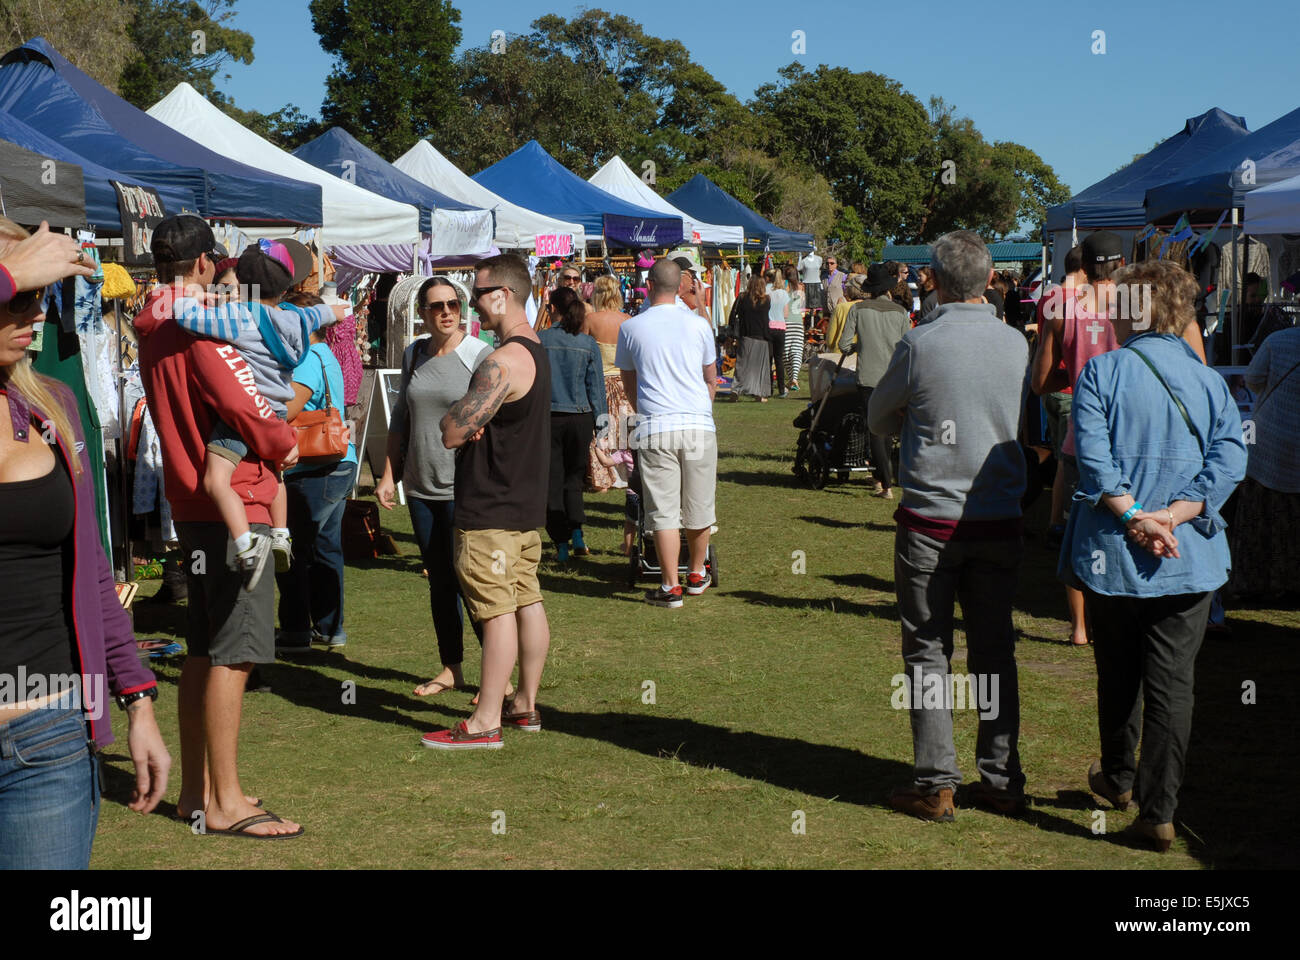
(665, 275)
(961, 264)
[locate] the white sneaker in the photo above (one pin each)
(252, 561)
(282, 547)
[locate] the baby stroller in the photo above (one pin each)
(643, 561)
(833, 436)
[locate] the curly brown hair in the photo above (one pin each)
(1156, 295)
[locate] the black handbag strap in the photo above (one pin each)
(1172, 396)
(325, 378)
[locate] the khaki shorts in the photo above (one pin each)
(679, 474)
(497, 570)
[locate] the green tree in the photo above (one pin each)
(394, 79)
(92, 34)
(180, 41)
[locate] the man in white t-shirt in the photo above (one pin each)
(667, 359)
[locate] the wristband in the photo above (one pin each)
(130, 698)
(1130, 513)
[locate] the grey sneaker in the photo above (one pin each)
(252, 561)
(282, 547)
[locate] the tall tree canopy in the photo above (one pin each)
(393, 80)
(92, 34)
(180, 40)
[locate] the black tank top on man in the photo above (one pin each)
(501, 478)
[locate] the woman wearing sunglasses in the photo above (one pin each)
(66, 644)
(435, 374)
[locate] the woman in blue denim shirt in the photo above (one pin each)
(1159, 451)
(577, 400)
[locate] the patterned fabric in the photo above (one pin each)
(600, 477)
(1265, 541)
(341, 338)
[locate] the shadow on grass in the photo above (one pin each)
(888, 610)
(836, 524)
(862, 581)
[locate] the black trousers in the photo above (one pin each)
(777, 339)
(881, 468)
(571, 435)
(1146, 657)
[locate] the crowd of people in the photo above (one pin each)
(600, 395)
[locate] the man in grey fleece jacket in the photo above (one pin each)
(953, 392)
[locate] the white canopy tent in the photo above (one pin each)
(516, 226)
(616, 177)
(1274, 209)
(353, 216)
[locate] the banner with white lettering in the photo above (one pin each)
(142, 210)
(636, 232)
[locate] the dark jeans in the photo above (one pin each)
(311, 593)
(777, 339)
(571, 435)
(432, 521)
(881, 468)
(1146, 652)
(929, 576)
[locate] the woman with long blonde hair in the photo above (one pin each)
(64, 630)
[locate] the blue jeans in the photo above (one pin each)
(432, 521)
(311, 592)
(49, 791)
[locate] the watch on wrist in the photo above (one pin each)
(125, 701)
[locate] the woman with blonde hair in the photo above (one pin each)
(606, 316)
(64, 630)
(1159, 447)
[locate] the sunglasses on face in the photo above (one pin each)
(438, 306)
(570, 278)
(479, 293)
(24, 301)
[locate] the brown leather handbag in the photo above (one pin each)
(322, 438)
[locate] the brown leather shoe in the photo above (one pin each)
(1102, 787)
(1159, 835)
(980, 794)
(927, 806)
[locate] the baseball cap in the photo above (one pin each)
(181, 238)
(686, 265)
(302, 259)
(1102, 247)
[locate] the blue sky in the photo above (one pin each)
(1023, 71)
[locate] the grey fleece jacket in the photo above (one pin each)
(952, 391)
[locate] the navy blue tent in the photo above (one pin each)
(705, 200)
(44, 90)
(1117, 201)
(101, 199)
(533, 179)
(336, 147)
(1221, 180)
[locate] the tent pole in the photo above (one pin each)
(1236, 290)
(415, 257)
(124, 429)
(320, 258)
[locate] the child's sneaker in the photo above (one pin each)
(252, 561)
(662, 596)
(282, 547)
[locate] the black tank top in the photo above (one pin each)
(501, 478)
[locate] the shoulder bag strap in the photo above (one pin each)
(1172, 396)
(325, 378)
(1269, 392)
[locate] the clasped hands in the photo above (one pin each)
(1153, 531)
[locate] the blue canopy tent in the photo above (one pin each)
(705, 200)
(102, 210)
(1117, 200)
(44, 90)
(455, 227)
(533, 179)
(1221, 180)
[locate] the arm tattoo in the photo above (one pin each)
(487, 391)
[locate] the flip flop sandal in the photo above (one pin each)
(240, 829)
(445, 688)
(176, 813)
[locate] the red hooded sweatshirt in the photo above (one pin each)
(191, 383)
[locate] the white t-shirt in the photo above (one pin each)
(669, 348)
(810, 268)
(776, 308)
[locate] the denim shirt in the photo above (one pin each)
(577, 372)
(1130, 438)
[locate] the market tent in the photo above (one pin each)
(351, 215)
(455, 227)
(234, 191)
(703, 198)
(35, 188)
(102, 211)
(1116, 201)
(1274, 209)
(1222, 179)
(516, 226)
(616, 177)
(532, 177)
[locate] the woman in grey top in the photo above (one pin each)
(435, 374)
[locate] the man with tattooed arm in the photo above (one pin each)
(502, 431)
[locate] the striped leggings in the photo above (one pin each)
(794, 346)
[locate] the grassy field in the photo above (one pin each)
(772, 699)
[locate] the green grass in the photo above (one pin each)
(772, 696)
